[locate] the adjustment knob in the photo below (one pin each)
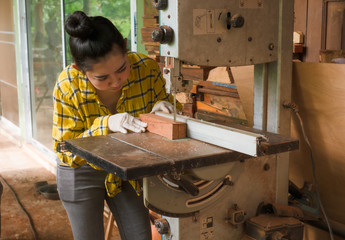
(237, 21)
(163, 34)
(160, 4)
(162, 225)
(157, 35)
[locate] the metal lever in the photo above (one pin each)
(185, 184)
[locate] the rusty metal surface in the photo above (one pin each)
(133, 156)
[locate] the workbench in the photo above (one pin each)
(138, 155)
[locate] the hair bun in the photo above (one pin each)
(79, 25)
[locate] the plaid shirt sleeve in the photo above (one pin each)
(70, 121)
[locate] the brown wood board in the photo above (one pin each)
(164, 126)
(319, 91)
(218, 118)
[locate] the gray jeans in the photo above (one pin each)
(82, 193)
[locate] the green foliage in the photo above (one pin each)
(117, 11)
(45, 19)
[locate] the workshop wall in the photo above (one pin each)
(319, 91)
(8, 80)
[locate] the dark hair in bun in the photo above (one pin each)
(78, 25)
(91, 38)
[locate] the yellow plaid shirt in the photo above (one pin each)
(78, 111)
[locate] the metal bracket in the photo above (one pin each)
(61, 147)
(174, 78)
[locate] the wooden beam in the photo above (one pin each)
(164, 126)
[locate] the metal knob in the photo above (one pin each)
(237, 21)
(160, 4)
(162, 225)
(163, 34)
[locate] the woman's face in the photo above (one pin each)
(110, 73)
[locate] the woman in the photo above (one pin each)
(103, 91)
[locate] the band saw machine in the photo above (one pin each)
(206, 186)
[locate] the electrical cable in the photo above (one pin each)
(33, 229)
(294, 108)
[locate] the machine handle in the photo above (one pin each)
(188, 186)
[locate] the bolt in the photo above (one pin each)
(168, 52)
(250, 39)
(266, 167)
(227, 181)
(219, 39)
(237, 21)
(166, 71)
(157, 35)
(239, 217)
(271, 46)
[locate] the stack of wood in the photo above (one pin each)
(150, 22)
(218, 102)
(212, 101)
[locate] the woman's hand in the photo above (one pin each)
(121, 122)
(163, 106)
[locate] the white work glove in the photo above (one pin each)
(163, 106)
(120, 122)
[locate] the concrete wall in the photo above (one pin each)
(8, 79)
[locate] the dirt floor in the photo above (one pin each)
(22, 171)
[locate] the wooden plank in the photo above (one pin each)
(206, 107)
(334, 25)
(313, 34)
(218, 118)
(319, 91)
(164, 126)
(188, 109)
(218, 92)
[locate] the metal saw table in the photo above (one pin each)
(134, 156)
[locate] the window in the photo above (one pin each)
(45, 61)
(46, 52)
